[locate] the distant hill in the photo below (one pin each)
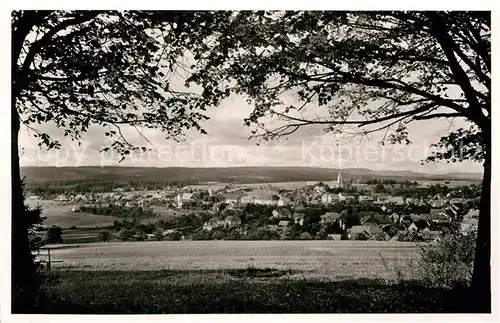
(229, 174)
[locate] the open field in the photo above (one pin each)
(60, 214)
(84, 235)
(242, 277)
(325, 260)
(236, 291)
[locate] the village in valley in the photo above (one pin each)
(343, 209)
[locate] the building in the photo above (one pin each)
(265, 198)
(298, 218)
(333, 236)
(365, 198)
(340, 180)
(80, 198)
(418, 226)
(428, 235)
(439, 203)
(284, 201)
(284, 223)
(182, 199)
(398, 200)
(364, 230)
(376, 219)
(233, 198)
(232, 221)
(280, 214)
(439, 216)
(245, 199)
(62, 198)
(330, 217)
(470, 222)
(213, 223)
(157, 196)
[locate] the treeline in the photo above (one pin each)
(75, 187)
(118, 211)
(404, 183)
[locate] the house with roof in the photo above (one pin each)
(456, 200)
(214, 223)
(365, 198)
(382, 199)
(232, 221)
(314, 202)
(473, 213)
(80, 198)
(284, 201)
(330, 217)
(411, 200)
(245, 199)
(272, 227)
(406, 220)
(395, 217)
(439, 216)
(418, 226)
(398, 235)
(299, 208)
(183, 198)
(376, 219)
(284, 223)
(298, 218)
(334, 236)
(422, 216)
(232, 197)
(397, 200)
(452, 211)
(329, 198)
(363, 230)
(469, 222)
(320, 188)
(265, 197)
(349, 198)
(428, 235)
(61, 198)
(420, 202)
(439, 203)
(156, 196)
(280, 214)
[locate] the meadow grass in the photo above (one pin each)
(236, 291)
(326, 260)
(242, 277)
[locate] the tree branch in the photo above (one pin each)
(438, 115)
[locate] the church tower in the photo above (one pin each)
(340, 180)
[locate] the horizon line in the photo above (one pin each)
(256, 166)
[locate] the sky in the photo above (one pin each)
(227, 145)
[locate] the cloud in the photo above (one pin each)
(227, 144)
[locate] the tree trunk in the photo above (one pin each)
(23, 278)
(481, 276)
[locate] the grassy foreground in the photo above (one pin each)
(248, 290)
